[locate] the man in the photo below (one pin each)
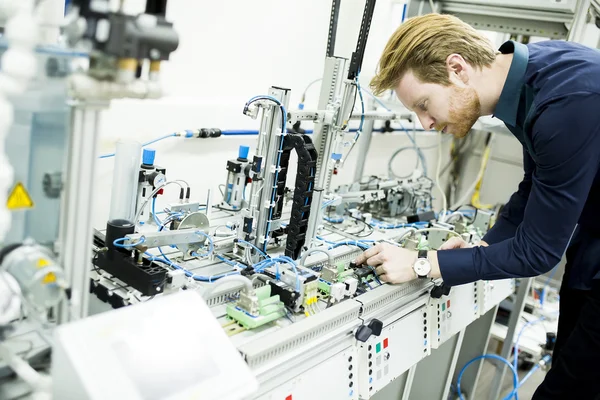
(548, 96)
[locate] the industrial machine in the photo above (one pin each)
(262, 285)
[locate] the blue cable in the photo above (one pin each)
(334, 220)
(381, 103)
(547, 358)
(380, 224)
(229, 262)
(418, 151)
(211, 245)
(375, 274)
(252, 132)
(156, 220)
(119, 243)
(144, 144)
(262, 253)
(259, 267)
(362, 104)
(358, 244)
(186, 272)
(495, 357)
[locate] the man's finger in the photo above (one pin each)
(380, 270)
(376, 260)
(383, 278)
(453, 243)
(367, 254)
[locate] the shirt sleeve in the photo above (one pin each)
(566, 145)
(512, 213)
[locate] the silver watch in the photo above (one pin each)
(422, 266)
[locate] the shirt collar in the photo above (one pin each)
(508, 104)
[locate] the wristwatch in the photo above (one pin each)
(422, 266)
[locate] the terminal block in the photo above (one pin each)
(256, 309)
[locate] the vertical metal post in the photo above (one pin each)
(507, 347)
(323, 139)
(268, 146)
(76, 229)
(579, 21)
(409, 381)
(364, 143)
(456, 353)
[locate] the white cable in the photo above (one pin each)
(139, 212)
(18, 67)
(442, 217)
(315, 250)
(228, 279)
(24, 371)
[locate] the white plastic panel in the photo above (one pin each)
(450, 314)
(334, 379)
(401, 344)
(490, 293)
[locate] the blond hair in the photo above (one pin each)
(422, 44)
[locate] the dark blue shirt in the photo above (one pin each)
(551, 103)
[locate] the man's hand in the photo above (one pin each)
(459, 243)
(392, 264)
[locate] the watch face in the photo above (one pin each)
(422, 267)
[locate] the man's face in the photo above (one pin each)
(450, 109)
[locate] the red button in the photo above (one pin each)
(448, 304)
(385, 343)
(289, 397)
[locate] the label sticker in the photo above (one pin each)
(19, 198)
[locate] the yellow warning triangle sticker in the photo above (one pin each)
(19, 198)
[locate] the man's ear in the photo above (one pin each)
(457, 68)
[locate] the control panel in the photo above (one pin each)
(385, 357)
(451, 313)
(491, 293)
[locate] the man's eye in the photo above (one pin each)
(422, 107)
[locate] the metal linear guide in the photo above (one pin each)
(363, 34)
(333, 21)
(323, 139)
(269, 147)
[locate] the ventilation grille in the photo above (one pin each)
(405, 290)
(347, 257)
(222, 299)
(228, 297)
(295, 342)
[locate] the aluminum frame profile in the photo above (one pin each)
(388, 298)
(331, 322)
